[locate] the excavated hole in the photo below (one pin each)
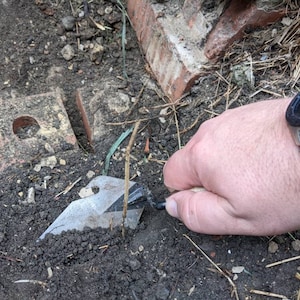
(25, 127)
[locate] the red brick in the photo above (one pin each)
(173, 44)
(54, 133)
(170, 46)
(239, 16)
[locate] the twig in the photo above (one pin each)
(137, 99)
(177, 127)
(68, 188)
(127, 174)
(235, 98)
(268, 294)
(159, 161)
(212, 113)
(76, 25)
(193, 124)
(265, 91)
(277, 263)
(234, 291)
(149, 118)
(42, 283)
(223, 78)
(9, 258)
(131, 121)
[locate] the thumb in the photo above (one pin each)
(205, 212)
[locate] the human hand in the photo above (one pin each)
(249, 166)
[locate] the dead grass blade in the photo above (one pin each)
(124, 15)
(234, 288)
(277, 263)
(68, 188)
(257, 292)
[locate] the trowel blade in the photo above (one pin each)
(102, 209)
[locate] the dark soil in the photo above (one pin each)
(155, 260)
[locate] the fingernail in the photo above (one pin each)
(171, 207)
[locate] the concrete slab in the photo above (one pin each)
(33, 126)
(96, 104)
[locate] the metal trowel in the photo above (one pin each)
(104, 208)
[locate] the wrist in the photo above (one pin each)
(292, 116)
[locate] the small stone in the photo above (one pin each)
(90, 174)
(81, 14)
(50, 162)
(68, 22)
(286, 21)
(162, 292)
(49, 148)
(31, 195)
(50, 272)
(62, 162)
(108, 10)
(273, 247)
(242, 74)
(296, 245)
(96, 52)
(134, 264)
(237, 269)
(68, 52)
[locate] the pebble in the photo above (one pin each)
(31, 195)
(90, 174)
(108, 10)
(96, 52)
(49, 148)
(296, 245)
(134, 264)
(62, 162)
(237, 269)
(68, 22)
(50, 162)
(162, 292)
(68, 52)
(273, 247)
